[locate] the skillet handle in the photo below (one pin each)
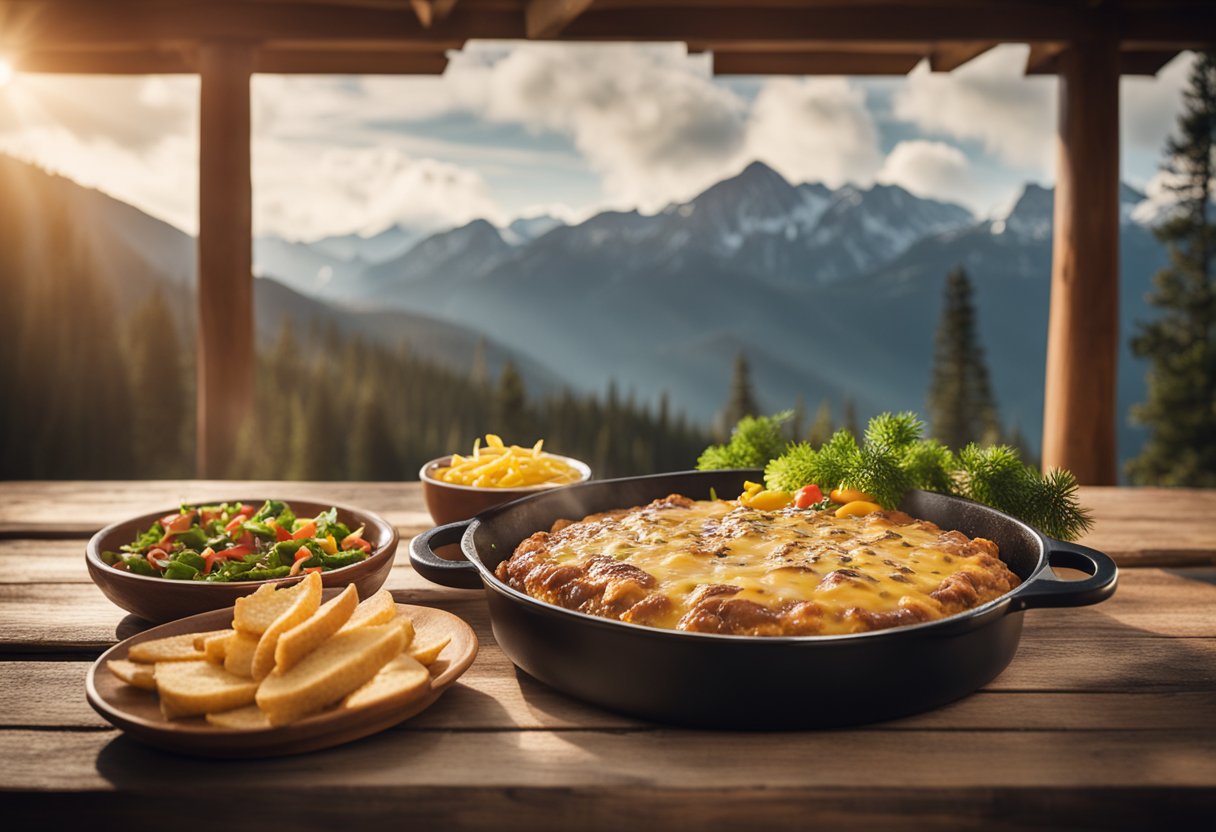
(459, 574)
(1046, 590)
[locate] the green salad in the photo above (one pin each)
(238, 542)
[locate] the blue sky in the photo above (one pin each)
(521, 129)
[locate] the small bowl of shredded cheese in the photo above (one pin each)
(459, 486)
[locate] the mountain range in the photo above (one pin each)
(830, 293)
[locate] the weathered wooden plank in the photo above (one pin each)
(1148, 604)
(491, 696)
(718, 808)
(671, 759)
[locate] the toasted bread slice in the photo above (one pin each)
(428, 653)
(200, 687)
(248, 717)
(377, 610)
(215, 647)
(134, 673)
(255, 613)
(341, 665)
(238, 654)
(402, 680)
(307, 636)
(172, 649)
(306, 602)
(407, 630)
(201, 639)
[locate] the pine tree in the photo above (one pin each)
(961, 406)
(850, 418)
(742, 398)
(158, 405)
(479, 372)
(822, 428)
(798, 420)
(510, 401)
(1181, 344)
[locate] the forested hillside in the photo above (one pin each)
(97, 372)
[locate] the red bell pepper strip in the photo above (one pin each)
(308, 530)
(356, 542)
(355, 538)
(808, 496)
(308, 569)
(235, 523)
(303, 553)
(209, 559)
(281, 534)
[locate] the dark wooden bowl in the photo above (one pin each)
(160, 599)
(449, 503)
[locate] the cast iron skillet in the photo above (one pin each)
(723, 681)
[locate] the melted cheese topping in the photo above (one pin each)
(777, 559)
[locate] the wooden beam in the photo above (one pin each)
(112, 62)
(349, 62)
(813, 63)
(431, 11)
(1044, 58)
(128, 24)
(1083, 327)
(947, 57)
(1004, 23)
(225, 254)
(547, 18)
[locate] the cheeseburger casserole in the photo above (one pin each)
(717, 566)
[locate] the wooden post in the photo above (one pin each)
(225, 254)
(1083, 331)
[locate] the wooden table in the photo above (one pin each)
(1106, 718)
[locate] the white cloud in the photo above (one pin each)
(929, 169)
(988, 100)
(1150, 105)
(134, 138)
(647, 118)
(305, 190)
(814, 129)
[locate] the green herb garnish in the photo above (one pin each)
(894, 458)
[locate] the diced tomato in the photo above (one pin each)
(235, 523)
(246, 540)
(248, 510)
(281, 533)
(808, 495)
(209, 559)
(308, 530)
(303, 553)
(235, 552)
(312, 569)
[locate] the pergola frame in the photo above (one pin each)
(1088, 43)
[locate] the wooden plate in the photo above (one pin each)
(137, 712)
